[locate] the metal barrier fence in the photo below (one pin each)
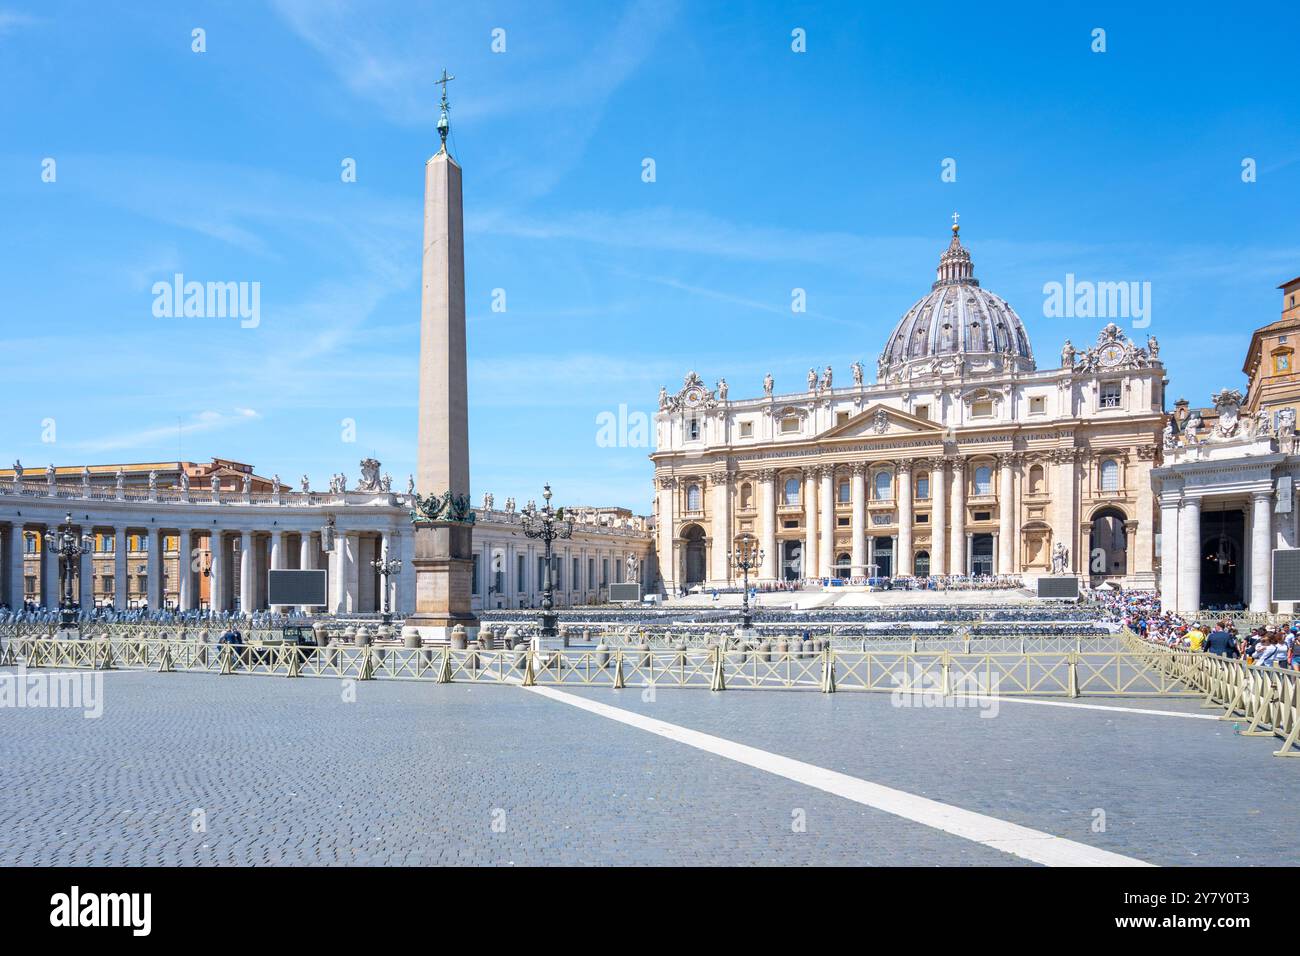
(943, 673)
(1268, 697)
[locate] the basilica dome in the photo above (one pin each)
(957, 325)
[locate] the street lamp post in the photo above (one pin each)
(744, 557)
(67, 547)
(547, 524)
(386, 567)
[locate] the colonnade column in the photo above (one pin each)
(767, 505)
(858, 492)
(50, 595)
(185, 569)
(307, 560)
(279, 560)
(246, 572)
(720, 506)
(939, 516)
(1006, 513)
(1261, 551)
(14, 566)
(1189, 556)
(957, 542)
(903, 556)
(86, 578)
(810, 476)
(826, 545)
(154, 566)
(1169, 551)
(119, 569)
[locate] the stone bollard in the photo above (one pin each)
(385, 632)
(782, 648)
(644, 658)
(362, 638)
(411, 637)
(321, 633)
(765, 652)
(459, 640)
(602, 654)
(512, 638)
(564, 637)
(487, 639)
(350, 634)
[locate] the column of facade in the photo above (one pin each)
(1189, 556)
(119, 569)
(826, 546)
(404, 595)
(14, 566)
(1261, 551)
(957, 550)
(810, 477)
(1006, 515)
(1169, 550)
(767, 505)
(666, 530)
(1067, 510)
(185, 569)
(720, 531)
(903, 550)
(939, 516)
(154, 569)
(858, 492)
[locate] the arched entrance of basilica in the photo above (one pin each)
(694, 553)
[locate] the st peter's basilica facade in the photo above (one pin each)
(963, 458)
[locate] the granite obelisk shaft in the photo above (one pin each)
(443, 461)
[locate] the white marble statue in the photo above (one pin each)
(826, 379)
(305, 484)
(663, 397)
(768, 384)
(369, 475)
(18, 471)
(410, 484)
(1060, 558)
(488, 501)
(632, 575)
(216, 486)
(1169, 439)
(247, 484)
(722, 389)
(1067, 354)
(153, 481)
(185, 481)
(386, 483)
(1153, 347)
(1193, 427)
(121, 480)
(856, 368)
(812, 380)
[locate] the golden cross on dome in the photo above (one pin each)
(955, 217)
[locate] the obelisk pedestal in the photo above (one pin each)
(444, 563)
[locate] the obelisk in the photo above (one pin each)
(444, 544)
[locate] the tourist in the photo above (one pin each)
(1196, 638)
(1220, 641)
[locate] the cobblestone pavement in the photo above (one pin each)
(286, 771)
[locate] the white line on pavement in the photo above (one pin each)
(1064, 703)
(989, 831)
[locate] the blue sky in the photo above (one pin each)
(774, 170)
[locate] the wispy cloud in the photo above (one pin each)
(205, 421)
(11, 21)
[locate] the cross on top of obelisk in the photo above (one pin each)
(443, 124)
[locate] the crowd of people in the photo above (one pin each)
(1264, 645)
